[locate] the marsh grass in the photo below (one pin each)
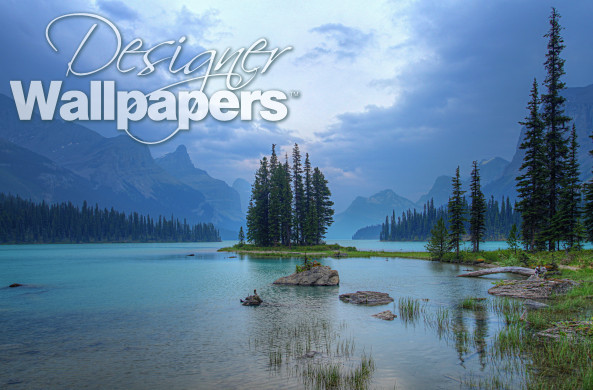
(315, 351)
(473, 303)
(410, 308)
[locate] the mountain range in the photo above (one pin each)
(59, 161)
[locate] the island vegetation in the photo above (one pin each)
(289, 205)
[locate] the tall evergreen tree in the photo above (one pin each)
(286, 209)
(257, 214)
(588, 208)
(299, 202)
(556, 127)
(241, 236)
(477, 221)
(310, 225)
(323, 205)
(570, 197)
(456, 213)
(275, 205)
(531, 183)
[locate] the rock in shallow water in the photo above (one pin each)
(15, 285)
(369, 298)
(317, 276)
(252, 300)
(386, 315)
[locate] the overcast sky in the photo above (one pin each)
(392, 94)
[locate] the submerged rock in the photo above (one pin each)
(316, 276)
(386, 315)
(532, 289)
(369, 298)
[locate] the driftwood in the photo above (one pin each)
(514, 270)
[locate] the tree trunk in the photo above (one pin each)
(514, 270)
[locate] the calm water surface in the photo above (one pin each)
(139, 316)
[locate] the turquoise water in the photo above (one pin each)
(139, 316)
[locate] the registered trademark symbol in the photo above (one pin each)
(295, 94)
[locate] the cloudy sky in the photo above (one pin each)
(392, 93)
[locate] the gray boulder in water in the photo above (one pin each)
(369, 298)
(316, 276)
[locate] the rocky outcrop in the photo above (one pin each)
(369, 298)
(316, 276)
(386, 315)
(252, 300)
(15, 285)
(532, 289)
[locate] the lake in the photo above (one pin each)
(139, 316)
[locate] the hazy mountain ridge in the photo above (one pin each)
(367, 211)
(224, 199)
(114, 172)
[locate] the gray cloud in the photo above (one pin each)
(117, 10)
(341, 42)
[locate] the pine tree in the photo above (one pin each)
(323, 205)
(286, 205)
(513, 239)
(588, 208)
(531, 183)
(477, 219)
(438, 245)
(556, 127)
(570, 195)
(456, 213)
(241, 236)
(298, 196)
(310, 224)
(257, 214)
(275, 205)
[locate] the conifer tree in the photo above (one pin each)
(241, 236)
(310, 224)
(298, 213)
(531, 183)
(570, 195)
(323, 205)
(513, 239)
(286, 205)
(275, 205)
(478, 210)
(588, 208)
(456, 213)
(556, 127)
(257, 214)
(438, 245)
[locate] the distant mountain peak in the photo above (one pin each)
(179, 160)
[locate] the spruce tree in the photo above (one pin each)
(477, 221)
(556, 127)
(531, 183)
(588, 208)
(258, 212)
(241, 236)
(570, 196)
(275, 205)
(286, 205)
(310, 224)
(513, 239)
(323, 205)
(456, 213)
(438, 245)
(298, 213)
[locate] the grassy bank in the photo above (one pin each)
(332, 250)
